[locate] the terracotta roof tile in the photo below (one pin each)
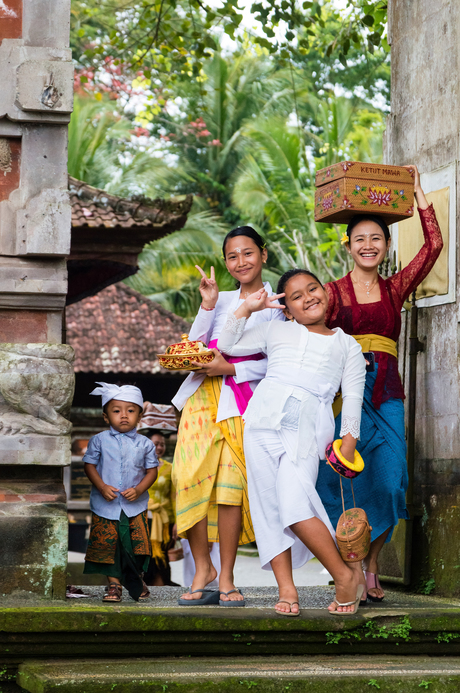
(120, 331)
(95, 208)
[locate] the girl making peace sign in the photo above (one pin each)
(209, 470)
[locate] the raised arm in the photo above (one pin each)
(353, 379)
(235, 341)
(406, 281)
(204, 321)
(232, 341)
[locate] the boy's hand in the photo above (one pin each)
(109, 492)
(131, 494)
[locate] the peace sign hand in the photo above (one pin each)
(208, 289)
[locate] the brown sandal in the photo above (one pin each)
(145, 593)
(113, 593)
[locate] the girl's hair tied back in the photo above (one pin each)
(244, 231)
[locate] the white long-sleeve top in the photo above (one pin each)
(206, 327)
(304, 371)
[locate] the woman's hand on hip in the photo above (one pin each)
(218, 366)
(208, 289)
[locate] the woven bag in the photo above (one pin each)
(353, 533)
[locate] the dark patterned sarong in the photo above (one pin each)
(120, 549)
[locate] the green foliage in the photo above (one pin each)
(243, 133)
(427, 586)
(425, 684)
(398, 631)
(446, 637)
(170, 38)
(167, 272)
(373, 682)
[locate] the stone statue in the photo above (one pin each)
(36, 388)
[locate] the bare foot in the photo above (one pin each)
(286, 597)
(345, 591)
(226, 586)
(357, 569)
(202, 578)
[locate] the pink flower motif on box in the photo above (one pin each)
(379, 195)
(346, 204)
(328, 173)
(410, 210)
(347, 165)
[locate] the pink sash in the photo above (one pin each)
(242, 391)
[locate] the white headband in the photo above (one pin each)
(125, 393)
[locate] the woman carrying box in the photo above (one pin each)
(368, 307)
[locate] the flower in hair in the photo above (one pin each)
(344, 240)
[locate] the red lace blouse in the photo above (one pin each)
(384, 317)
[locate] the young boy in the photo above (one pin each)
(121, 465)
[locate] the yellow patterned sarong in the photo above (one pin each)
(209, 467)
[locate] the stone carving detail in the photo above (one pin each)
(5, 155)
(36, 388)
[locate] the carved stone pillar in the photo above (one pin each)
(36, 375)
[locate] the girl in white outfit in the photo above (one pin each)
(289, 423)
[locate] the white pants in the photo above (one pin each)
(189, 563)
(281, 493)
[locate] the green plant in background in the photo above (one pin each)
(170, 38)
(167, 272)
(242, 131)
(427, 586)
(373, 682)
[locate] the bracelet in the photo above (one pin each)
(208, 309)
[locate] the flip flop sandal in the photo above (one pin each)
(287, 613)
(209, 597)
(145, 594)
(113, 594)
(356, 603)
(232, 602)
(373, 582)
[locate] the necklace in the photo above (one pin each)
(368, 286)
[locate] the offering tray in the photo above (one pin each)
(179, 357)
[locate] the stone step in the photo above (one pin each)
(358, 674)
(403, 624)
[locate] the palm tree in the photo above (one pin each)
(167, 271)
(274, 184)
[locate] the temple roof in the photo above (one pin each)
(109, 232)
(121, 331)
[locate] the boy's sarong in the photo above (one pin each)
(209, 467)
(119, 549)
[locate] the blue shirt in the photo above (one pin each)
(121, 460)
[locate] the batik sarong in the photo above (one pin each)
(209, 467)
(381, 487)
(120, 549)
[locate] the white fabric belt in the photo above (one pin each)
(319, 387)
